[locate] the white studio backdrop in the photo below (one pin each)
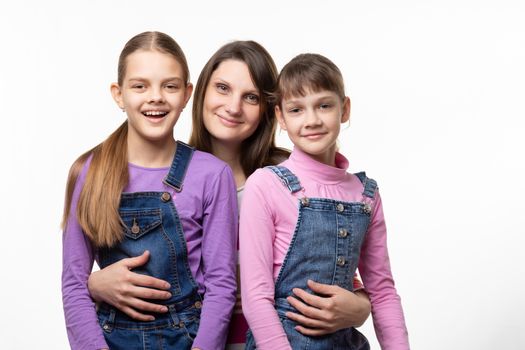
(437, 91)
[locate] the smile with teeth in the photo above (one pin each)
(155, 114)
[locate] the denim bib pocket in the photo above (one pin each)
(139, 222)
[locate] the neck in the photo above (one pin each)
(231, 154)
(151, 154)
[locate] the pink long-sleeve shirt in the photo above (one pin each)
(267, 222)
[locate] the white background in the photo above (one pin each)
(437, 92)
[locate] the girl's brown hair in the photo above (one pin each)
(107, 176)
(308, 71)
(259, 149)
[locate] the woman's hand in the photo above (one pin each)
(339, 308)
(125, 289)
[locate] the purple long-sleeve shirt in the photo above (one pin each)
(207, 207)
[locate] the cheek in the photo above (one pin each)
(129, 99)
(177, 102)
(337, 125)
(253, 115)
(211, 124)
(207, 110)
(207, 121)
(292, 125)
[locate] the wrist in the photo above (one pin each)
(91, 284)
(363, 307)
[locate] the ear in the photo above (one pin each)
(116, 92)
(187, 94)
(346, 110)
(280, 118)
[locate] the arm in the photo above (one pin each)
(219, 249)
(257, 234)
(126, 290)
(82, 325)
(374, 267)
(338, 309)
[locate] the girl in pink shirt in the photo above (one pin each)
(308, 219)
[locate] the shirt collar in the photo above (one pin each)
(321, 172)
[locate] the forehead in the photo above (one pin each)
(234, 72)
(151, 64)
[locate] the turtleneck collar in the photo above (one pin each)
(319, 171)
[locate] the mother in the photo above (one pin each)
(233, 118)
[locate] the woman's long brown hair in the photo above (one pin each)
(107, 176)
(259, 149)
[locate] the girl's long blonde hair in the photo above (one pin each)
(107, 176)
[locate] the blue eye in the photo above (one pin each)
(252, 98)
(325, 106)
(172, 86)
(139, 86)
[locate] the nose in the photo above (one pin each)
(312, 119)
(234, 105)
(156, 95)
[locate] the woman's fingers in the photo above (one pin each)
(135, 261)
(304, 308)
(313, 332)
(136, 315)
(305, 321)
(129, 291)
(327, 290)
(140, 280)
(312, 300)
(141, 305)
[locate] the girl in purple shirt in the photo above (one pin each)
(140, 190)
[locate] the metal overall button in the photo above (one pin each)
(341, 260)
(198, 304)
(343, 233)
(135, 228)
(305, 202)
(165, 197)
(340, 207)
(367, 208)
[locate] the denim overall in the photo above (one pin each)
(324, 248)
(152, 223)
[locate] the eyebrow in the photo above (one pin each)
(317, 100)
(223, 81)
(290, 102)
(164, 80)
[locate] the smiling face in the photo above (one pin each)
(231, 111)
(153, 93)
(313, 122)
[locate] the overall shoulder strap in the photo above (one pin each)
(179, 166)
(369, 185)
(287, 177)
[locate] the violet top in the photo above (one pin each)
(267, 222)
(207, 207)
